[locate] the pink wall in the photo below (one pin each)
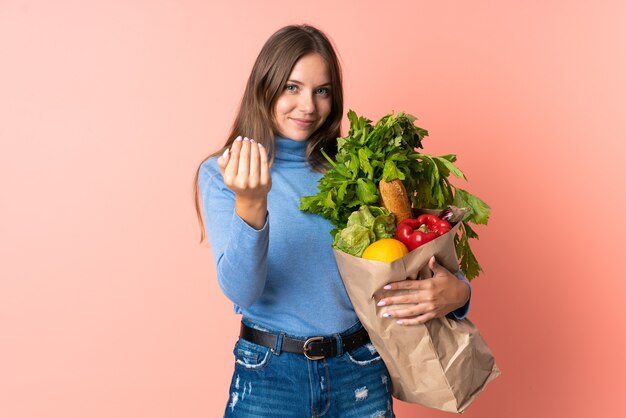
(108, 305)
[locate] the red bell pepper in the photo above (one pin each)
(416, 232)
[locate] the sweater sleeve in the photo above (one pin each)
(461, 313)
(239, 250)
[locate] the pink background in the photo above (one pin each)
(110, 308)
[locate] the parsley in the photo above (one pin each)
(388, 150)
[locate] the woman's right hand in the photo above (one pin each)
(245, 169)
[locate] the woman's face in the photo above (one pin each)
(306, 100)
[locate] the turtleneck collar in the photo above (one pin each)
(290, 151)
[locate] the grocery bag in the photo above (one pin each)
(443, 364)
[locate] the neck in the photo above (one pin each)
(288, 150)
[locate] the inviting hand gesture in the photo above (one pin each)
(246, 172)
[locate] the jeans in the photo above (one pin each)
(271, 384)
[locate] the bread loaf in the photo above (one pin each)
(393, 196)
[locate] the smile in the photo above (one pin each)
(303, 123)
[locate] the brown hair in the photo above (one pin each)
(266, 83)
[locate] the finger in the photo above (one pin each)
(222, 161)
(233, 163)
(419, 320)
(407, 312)
(244, 160)
(254, 164)
(413, 297)
(404, 284)
(265, 167)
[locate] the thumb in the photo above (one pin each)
(435, 266)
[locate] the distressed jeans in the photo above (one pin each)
(268, 384)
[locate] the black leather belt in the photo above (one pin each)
(314, 348)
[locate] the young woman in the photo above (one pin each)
(302, 351)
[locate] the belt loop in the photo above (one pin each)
(279, 343)
(339, 343)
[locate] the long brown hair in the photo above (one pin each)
(267, 80)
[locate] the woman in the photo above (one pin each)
(302, 351)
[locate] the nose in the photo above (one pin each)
(306, 103)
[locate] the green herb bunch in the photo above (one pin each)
(388, 151)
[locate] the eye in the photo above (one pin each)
(323, 91)
(291, 87)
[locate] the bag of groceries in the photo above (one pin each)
(369, 193)
(442, 364)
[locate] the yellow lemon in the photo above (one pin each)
(387, 250)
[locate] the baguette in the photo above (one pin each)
(393, 196)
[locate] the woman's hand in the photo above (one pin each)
(428, 298)
(246, 172)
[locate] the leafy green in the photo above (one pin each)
(480, 210)
(364, 226)
(353, 239)
(467, 261)
(388, 150)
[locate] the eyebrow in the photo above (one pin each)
(328, 84)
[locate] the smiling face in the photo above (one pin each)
(306, 100)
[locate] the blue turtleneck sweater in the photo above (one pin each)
(283, 276)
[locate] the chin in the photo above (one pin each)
(296, 135)
(300, 137)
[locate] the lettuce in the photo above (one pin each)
(364, 226)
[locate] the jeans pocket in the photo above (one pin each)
(364, 355)
(251, 356)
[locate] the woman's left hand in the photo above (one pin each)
(430, 298)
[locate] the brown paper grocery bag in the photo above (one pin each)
(443, 364)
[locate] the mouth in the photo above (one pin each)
(303, 123)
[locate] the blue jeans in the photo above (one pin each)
(267, 384)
